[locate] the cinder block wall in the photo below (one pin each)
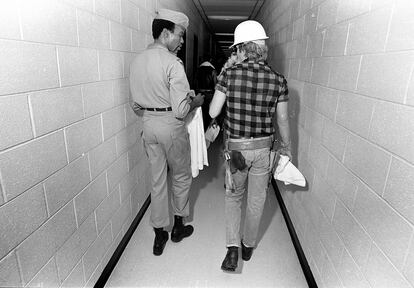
(349, 65)
(72, 169)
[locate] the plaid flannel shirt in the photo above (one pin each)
(252, 91)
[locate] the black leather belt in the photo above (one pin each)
(158, 109)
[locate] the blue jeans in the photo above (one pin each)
(255, 176)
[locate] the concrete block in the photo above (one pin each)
(129, 14)
(102, 156)
(20, 217)
(47, 276)
(76, 277)
(305, 69)
(83, 136)
(9, 271)
(315, 44)
(9, 20)
(368, 33)
(93, 31)
(398, 190)
(311, 18)
(97, 97)
(344, 72)
(96, 251)
(71, 252)
(37, 249)
(120, 216)
(30, 163)
(15, 121)
(82, 4)
(107, 208)
(356, 240)
(120, 37)
(327, 102)
(325, 196)
(113, 121)
(138, 41)
(401, 35)
(318, 157)
(335, 40)
(327, 13)
(111, 65)
(350, 274)
(314, 124)
(334, 138)
(388, 229)
(128, 184)
(55, 109)
(48, 21)
(298, 28)
(110, 9)
(343, 182)
(77, 65)
(64, 185)
(381, 273)
(409, 265)
(395, 71)
(358, 153)
(386, 118)
(117, 171)
(27, 67)
(320, 70)
(352, 8)
(410, 94)
(121, 91)
(90, 198)
(355, 112)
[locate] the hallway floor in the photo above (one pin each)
(196, 261)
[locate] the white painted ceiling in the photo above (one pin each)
(222, 16)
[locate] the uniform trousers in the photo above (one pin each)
(167, 145)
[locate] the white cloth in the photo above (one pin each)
(288, 173)
(195, 128)
(207, 64)
(211, 134)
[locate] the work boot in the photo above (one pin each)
(161, 237)
(180, 231)
(246, 252)
(230, 262)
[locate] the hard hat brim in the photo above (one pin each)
(236, 43)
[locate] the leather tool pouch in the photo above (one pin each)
(237, 161)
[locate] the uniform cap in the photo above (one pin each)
(176, 17)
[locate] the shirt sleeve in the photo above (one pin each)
(283, 90)
(222, 82)
(179, 88)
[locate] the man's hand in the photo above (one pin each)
(285, 149)
(196, 101)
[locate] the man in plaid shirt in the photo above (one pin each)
(256, 100)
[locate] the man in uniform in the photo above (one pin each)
(160, 88)
(256, 101)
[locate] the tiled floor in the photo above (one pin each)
(195, 262)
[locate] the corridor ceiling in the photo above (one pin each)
(222, 16)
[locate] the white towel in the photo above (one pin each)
(195, 128)
(288, 173)
(211, 134)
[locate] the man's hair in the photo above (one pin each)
(254, 51)
(159, 24)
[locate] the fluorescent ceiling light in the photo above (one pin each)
(227, 17)
(224, 34)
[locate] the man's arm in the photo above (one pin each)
(282, 119)
(217, 103)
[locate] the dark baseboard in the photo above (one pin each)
(299, 251)
(122, 245)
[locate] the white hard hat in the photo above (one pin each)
(249, 30)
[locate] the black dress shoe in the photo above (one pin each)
(230, 262)
(246, 252)
(180, 231)
(161, 238)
